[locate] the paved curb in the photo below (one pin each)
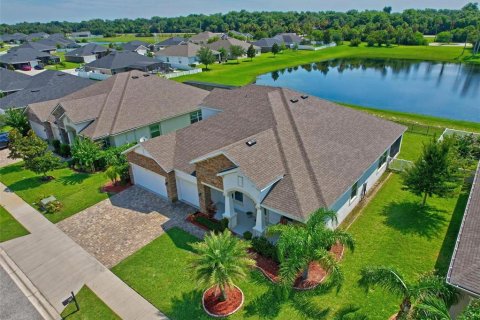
(28, 289)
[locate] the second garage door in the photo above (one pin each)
(187, 191)
(149, 180)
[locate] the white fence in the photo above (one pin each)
(93, 75)
(459, 133)
(181, 73)
(314, 48)
(399, 165)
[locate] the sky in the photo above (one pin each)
(13, 11)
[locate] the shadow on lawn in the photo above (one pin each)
(411, 217)
(28, 183)
(17, 167)
(188, 306)
(73, 179)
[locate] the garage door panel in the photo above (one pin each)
(187, 191)
(149, 180)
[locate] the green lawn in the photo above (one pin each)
(130, 37)
(9, 227)
(76, 191)
(392, 230)
(412, 145)
(67, 65)
(246, 71)
(91, 308)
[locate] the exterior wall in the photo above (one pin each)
(236, 181)
(130, 136)
(39, 129)
(272, 217)
(209, 112)
(174, 124)
(141, 51)
(90, 58)
(178, 62)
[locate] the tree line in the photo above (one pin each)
(380, 25)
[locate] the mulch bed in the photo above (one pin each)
(216, 307)
(115, 188)
(192, 219)
(316, 274)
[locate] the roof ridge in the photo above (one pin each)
(122, 97)
(306, 159)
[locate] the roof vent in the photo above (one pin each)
(304, 97)
(251, 142)
(134, 77)
(294, 100)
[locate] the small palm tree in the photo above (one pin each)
(222, 260)
(300, 244)
(422, 294)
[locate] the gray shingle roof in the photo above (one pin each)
(134, 45)
(121, 59)
(464, 271)
(87, 50)
(23, 55)
(171, 41)
(188, 49)
(203, 36)
(227, 43)
(36, 46)
(36, 35)
(44, 86)
(13, 37)
(319, 148)
(12, 80)
(267, 42)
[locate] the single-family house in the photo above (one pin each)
(14, 38)
(464, 270)
(174, 41)
(58, 40)
(36, 36)
(44, 86)
(11, 81)
(266, 155)
(81, 34)
(237, 34)
(87, 53)
(203, 37)
(18, 57)
(39, 46)
(181, 56)
(139, 47)
(122, 61)
(227, 43)
(266, 44)
(128, 107)
(290, 39)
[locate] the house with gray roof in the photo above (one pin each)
(14, 38)
(18, 57)
(464, 270)
(137, 46)
(125, 108)
(37, 36)
(44, 86)
(59, 40)
(203, 37)
(266, 44)
(122, 61)
(265, 155)
(87, 53)
(290, 39)
(39, 46)
(81, 34)
(11, 81)
(174, 41)
(227, 43)
(182, 56)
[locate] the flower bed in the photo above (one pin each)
(316, 274)
(203, 221)
(215, 307)
(114, 188)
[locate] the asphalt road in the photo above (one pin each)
(14, 305)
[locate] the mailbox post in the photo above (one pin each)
(69, 300)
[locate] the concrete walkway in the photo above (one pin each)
(56, 265)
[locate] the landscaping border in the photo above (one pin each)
(226, 315)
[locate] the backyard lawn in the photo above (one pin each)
(76, 191)
(66, 64)
(9, 227)
(392, 230)
(91, 308)
(412, 145)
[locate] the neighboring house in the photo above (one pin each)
(87, 53)
(15, 38)
(39, 46)
(227, 43)
(16, 58)
(44, 86)
(128, 107)
(203, 37)
(58, 40)
(11, 81)
(290, 39)
(139, 47)
(464, 271)
(181, 56)
(81, 34)
(122, 61)
(174, 41)
(233, 34)
(266, 44)
(36, 36)
(264, 155)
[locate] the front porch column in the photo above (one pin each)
(230, 213)
(259, 227)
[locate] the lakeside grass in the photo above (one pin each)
(246, 71)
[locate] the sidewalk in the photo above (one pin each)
(56, 265)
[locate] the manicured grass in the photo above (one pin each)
(246, 71)
(91, 308)
(76, 191)
(392, 230)
(67, 64)
(128, 38)
(9, 227)
(412, 145)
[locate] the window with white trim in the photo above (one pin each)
(238, 196)
(195, 116)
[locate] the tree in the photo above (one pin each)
(17, 119)
(275, 49)
(43, 164)
(420, 293)
(206, 56)
(236, 52)
(301, 244)
(444, 37)
(85, 152)
(25, 147)
(283, 46)
(387, 10)
(112, 174)
(221, 261)
(434, 173)
(223, 54)
(251, 52)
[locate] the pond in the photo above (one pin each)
(444, 90)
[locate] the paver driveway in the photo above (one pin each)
(117, 227)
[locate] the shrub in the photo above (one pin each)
(56, 146)
(265, 248)
(64, 150)
(210, 224)
(247, 235)
(223, 224)
(355, 42)
(53, 206)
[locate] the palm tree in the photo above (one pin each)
(420, 295)
(300, 244)
(222, 260)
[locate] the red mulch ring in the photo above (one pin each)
(213, 304)
(316, 274)
(115, 188)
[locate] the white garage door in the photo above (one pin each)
(149, 180)
(187, 191)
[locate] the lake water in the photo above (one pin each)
(438, 89)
